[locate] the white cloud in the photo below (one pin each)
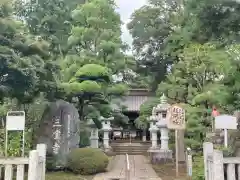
(126, 8)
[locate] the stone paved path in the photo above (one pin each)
(139, 169)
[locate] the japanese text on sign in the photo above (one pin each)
(176, 117)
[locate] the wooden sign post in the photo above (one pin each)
(176, 121)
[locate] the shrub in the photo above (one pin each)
(227, 151)
(198, 168)
(87, 161)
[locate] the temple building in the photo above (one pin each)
(132, 102)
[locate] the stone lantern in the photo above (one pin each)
(161, 110)
(106, 127)
(94, 134)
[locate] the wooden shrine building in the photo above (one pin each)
(132, 102)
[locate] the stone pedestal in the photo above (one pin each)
(154, 146)
(106, 127)
(106, 139)
(94, 138)
(164, 155)
(161, 156)
(164, 138)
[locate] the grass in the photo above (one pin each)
(168, 171)
(66, 176)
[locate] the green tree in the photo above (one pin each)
(145, 112)
(24, 59)
(96, 57)
(26, 70)
(49, 19)
(197, 81)
(214, 20)
(96, 38)
(150, 26)
(92, 89)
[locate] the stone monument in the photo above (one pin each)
(94, 134)
(106, 127)
(59, 130)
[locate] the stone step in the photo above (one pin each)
(117, 147)
(128, 150)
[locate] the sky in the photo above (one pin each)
(126, 8)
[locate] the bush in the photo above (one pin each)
(198, 168)
(87, 161)
(227, 152)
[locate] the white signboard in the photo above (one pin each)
(176, 117)
(225, 122)
(15, 121)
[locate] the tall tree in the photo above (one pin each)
(196, 81)
(214, 20)
(50, 19)
(23, 58)
(94, 57)
(150, 26)
(96, 37)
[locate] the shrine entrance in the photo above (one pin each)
(131, 133)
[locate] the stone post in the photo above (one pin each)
(207, 150)
(94, 134)
(144, 138)
(153, 130)
(106, 138)
(94, 138)
(106, 127)
(164, 138)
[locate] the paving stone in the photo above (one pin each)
(139, 169)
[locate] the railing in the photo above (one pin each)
(218, 167)
(232, 165)
(127, 169)
(36, 165)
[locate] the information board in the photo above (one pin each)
(225, 122)
(176, 118)
(15, 121)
